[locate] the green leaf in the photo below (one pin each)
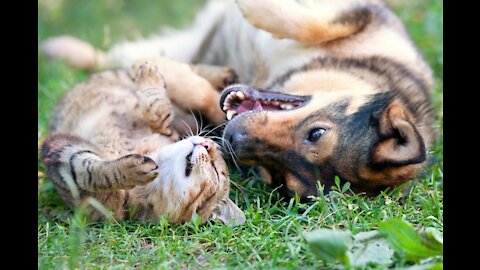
(407, 242)
(76, 236)
(196, 220)
(432, 238)
(337, 182)
(437, 266)
(429, 266)
(370, 247)
(163, 222)
(346, 187)
(330, 245)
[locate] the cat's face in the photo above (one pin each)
(194, 178)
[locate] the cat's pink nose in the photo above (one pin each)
(207, 144)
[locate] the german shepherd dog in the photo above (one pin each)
(329, 88)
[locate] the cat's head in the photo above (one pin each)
(194, 178)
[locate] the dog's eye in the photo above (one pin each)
(315, 134)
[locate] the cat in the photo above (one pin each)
(112, 138)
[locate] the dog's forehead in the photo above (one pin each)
(346, 109)
(326, 87)
(333, 112)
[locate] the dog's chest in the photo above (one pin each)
(257, 56)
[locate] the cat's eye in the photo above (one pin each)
(315, 134)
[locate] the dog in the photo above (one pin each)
(328, 88)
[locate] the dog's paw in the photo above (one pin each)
(252, 10)
(226, 76)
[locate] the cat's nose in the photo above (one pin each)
(207, 144)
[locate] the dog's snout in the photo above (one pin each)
(235, 138)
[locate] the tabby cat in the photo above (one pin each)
(112, 139)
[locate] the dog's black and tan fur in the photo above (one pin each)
(330, 88)
(374, 146)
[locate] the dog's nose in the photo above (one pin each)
(235, 138)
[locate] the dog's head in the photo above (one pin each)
(330, 124)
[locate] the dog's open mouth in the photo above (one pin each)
(237, 99)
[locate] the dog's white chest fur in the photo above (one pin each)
(256, 55)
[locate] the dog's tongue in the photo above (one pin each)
(249, 105)
(257, 106)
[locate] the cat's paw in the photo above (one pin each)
(147, 75)
(159, 116)
(138, 170)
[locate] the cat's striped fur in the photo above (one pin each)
(112, 139)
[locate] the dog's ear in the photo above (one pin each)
(399, 143)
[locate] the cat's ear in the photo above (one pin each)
(229, 213)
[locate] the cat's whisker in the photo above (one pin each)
(205, 129)
(196, 121)
(219, 126)
(229, 149)
(237, 186)
(189, 129)
(234, 157)
(201, 125)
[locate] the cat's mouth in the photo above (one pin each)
(237, 99)
(189, 164)
(200, 156)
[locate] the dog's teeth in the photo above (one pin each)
(240, 95)
(286, 106)
(226, 105)
(230, 114)
(229, 96)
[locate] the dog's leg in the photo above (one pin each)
(187, 90)
(218, 76)
(181, 45)
(311, 24)
(82, 55)
(76, 52)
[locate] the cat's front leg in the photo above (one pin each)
(186, 89)
(153, 99)
(71, 161)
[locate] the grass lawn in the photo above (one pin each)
(272, 235)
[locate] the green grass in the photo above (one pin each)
(272, 234)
